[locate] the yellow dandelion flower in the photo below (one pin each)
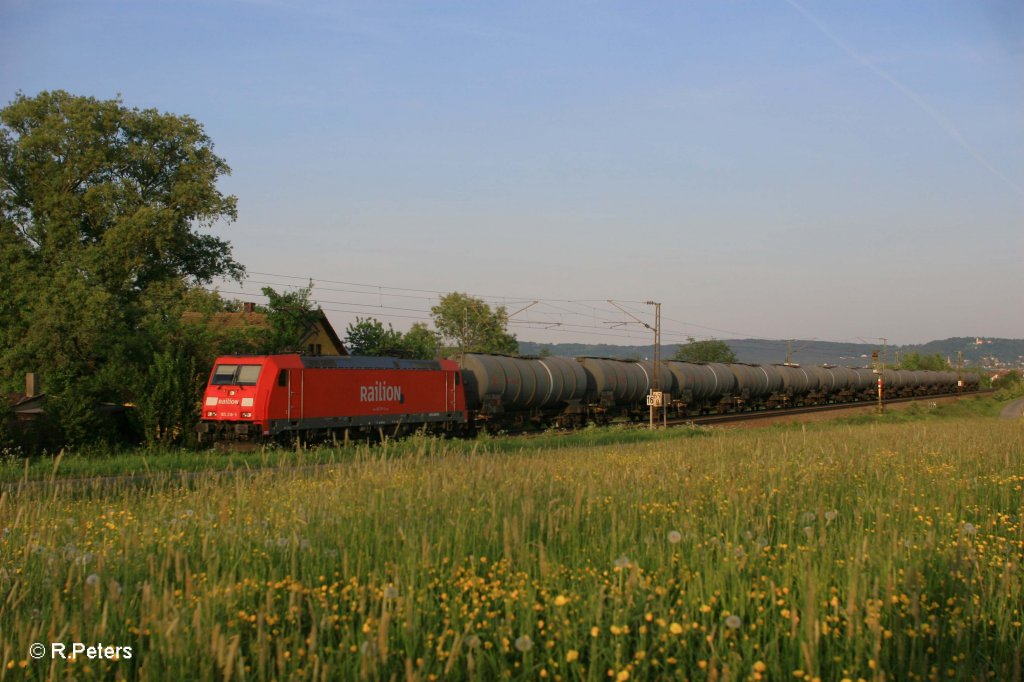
(760, 667)
(571, 656)
(622, 676)
(675, 629)
(561, 600)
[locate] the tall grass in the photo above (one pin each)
(95, 462)
(886, 551)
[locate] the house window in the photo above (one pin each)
(314, 349)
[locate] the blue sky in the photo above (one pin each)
(781, 169)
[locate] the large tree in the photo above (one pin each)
(710, 350)
(104, 214)
(470, 326)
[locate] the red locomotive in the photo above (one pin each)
(275, 395)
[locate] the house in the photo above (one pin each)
(28, 405)
(319, 339)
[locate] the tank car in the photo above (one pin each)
(502, 388)
(702, 387)
(798, 384)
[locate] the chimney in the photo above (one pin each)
(31, 384)
(249, 307)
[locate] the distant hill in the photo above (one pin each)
(987, 353)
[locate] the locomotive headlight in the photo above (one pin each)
(211, 413)
(247, 415)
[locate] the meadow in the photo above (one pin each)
(865, 549)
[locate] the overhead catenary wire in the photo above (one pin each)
(567, 315)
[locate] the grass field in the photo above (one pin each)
(860, 550)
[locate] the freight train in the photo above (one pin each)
(288, 396)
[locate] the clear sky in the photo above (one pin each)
(786, 168)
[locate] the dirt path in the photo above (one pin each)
(1014, 410)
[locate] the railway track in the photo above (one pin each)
(778, 413)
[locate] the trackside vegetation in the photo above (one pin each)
(138, 462)
(878, 551)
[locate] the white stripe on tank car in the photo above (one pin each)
(551, 382)
(646, 376)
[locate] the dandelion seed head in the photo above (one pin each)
(809, 532)
(969, 529)
(674, 537)
(524, 643)
(93, 580)
(473, 641)
(622, 562)
(391, 592)
(831, 515)
(733, 622)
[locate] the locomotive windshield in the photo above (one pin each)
(235, 375)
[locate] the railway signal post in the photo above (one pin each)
(959, 371)
(654, 397)
(655, 400)
(879, 370)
